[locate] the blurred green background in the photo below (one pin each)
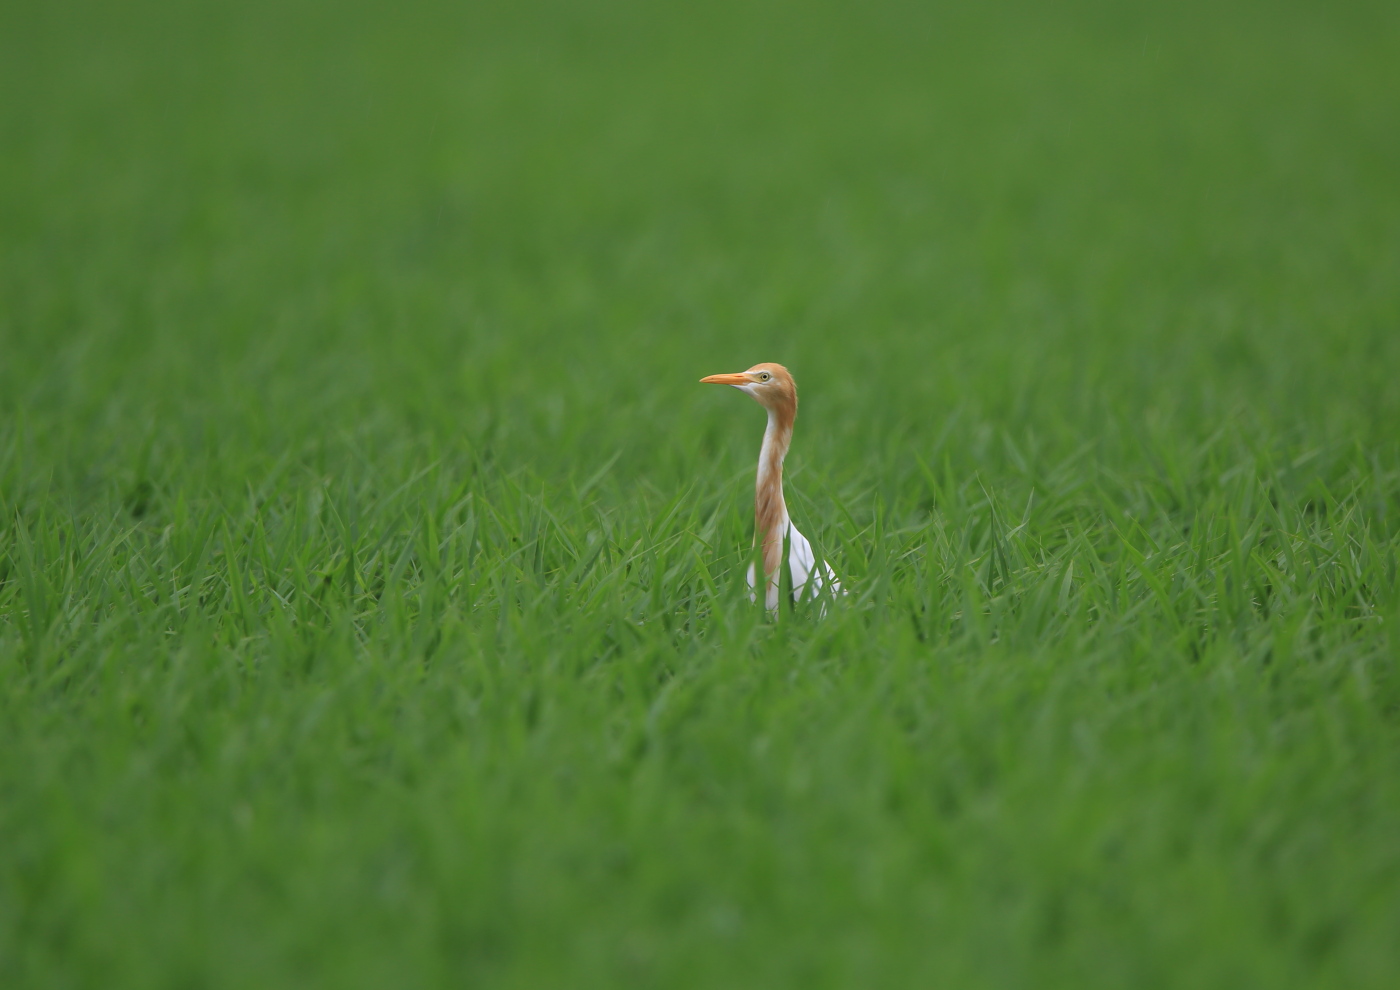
(371, 605)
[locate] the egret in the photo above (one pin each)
(773, 388)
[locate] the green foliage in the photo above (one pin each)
(371, 563)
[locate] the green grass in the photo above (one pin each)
(371, 562)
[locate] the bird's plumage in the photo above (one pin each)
(773, 388)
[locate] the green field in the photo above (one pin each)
(372, 608)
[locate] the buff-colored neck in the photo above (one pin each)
(770, 511)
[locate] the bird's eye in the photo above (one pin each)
(763, 376)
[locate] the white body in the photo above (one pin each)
(805, 567)
(801, 559)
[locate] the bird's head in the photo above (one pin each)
(769, 384)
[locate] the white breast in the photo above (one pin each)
(809, 575)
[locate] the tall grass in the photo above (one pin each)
(371, 564)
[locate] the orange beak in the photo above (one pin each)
(737, 379)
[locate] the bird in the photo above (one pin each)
(772, 386)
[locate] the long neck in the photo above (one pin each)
(770, 511)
